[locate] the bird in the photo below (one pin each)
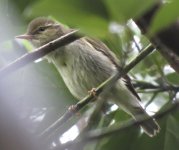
(85, 64)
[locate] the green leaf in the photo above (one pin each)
(173, 78)
(79, 14)
(123, 140)
(167, 15)
(123, 10)
(118, 140)
(172, 134)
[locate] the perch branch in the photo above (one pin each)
(107, 84)
(97, 134)
(38, 53)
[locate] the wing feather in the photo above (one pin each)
(100, 46)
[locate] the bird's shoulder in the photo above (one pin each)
(101, 47)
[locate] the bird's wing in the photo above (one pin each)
(100, 46)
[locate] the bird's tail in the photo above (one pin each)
(130, 104)
(150, 126)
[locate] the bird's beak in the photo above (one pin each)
(25, 36)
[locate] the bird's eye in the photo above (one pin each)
(41, 29)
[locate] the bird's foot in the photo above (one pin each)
(92, 92)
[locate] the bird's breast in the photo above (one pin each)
(82, 67)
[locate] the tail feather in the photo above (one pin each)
(150, 126)
(132, 106)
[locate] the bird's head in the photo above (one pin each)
(43, 30)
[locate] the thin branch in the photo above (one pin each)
(38, 53)
(97, 134)
(136, 44)
(151, 100)
(166, 40)
(155, 88)
(170, 56)
(143, 85)
(107, 84)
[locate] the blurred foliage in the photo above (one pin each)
(165, 16)
(122, 11)
(38, 92)
(89, 15)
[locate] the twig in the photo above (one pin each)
(169, 55)
(38, 53)
(166, 39)
(94, 135)
(155, 88)
(151, 100)
(107, 84)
